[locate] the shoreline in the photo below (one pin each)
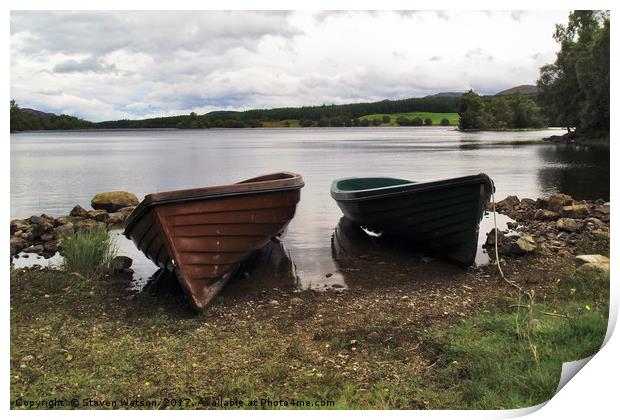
(416, 339)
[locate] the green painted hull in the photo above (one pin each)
(442, 216)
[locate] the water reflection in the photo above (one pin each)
(371, 261)
(579, 171)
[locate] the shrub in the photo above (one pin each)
(386, 119)
(88, 251)
(428, 121)
(445, 121)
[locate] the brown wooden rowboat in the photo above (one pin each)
(203, 235)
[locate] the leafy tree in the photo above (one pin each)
(574, 90)
(428, 121)
(470, 111)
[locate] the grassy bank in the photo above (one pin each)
(410, 344)
(436, 117)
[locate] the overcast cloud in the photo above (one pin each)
(111, 65)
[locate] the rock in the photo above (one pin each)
(17, 244)
(78, 211)
(576, 211)
(62, 220)
(98, 215)
(601, 233)
(524, 245)
(508, 203)
(592, 258)
(296, 301)
(113, 201)
(121, 262)
(491, 237)
(62, 230)
(594, 222)
(32, 249)
(593, 262)
(569, 225)
(88, 224)
(557, 201)
(40, 227)
(528, 202)
(373, 337)
(48, 236)
(51, 247)
(18, 224)
(543, 214)
(274, 303)
(116, 218)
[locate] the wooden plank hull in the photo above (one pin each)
(443, 216)
(204, 235)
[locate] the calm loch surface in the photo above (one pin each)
(52, 171)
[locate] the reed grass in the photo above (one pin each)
(88, 251)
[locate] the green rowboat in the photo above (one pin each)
(441, 216)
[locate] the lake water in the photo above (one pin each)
(53, 171)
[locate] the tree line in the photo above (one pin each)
(22, 120)
(347, 115)
(574, 90)
(499, 112)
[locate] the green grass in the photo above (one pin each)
(88, 251)
(511, 356)
(100, 344)
(436, 117)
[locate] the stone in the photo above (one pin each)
(569, 225)
(62, 230)
(78, 211)
(508, 203)
(121, 262)
(576, 211)
(113, 201)
(62, 220)
(557, 201)
(98, 215)
(592, 258)
(88, 224)
(543, 214)
(17, 244)
(48, 236)
(373, 337)
(296, 301)
(524, 245)
(51, 247)
(18, 224)
(32, 249)
(41, 226)
(116, 218)
(528, 202)
(593, 262)
(274, 303)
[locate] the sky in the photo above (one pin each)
(102, 65)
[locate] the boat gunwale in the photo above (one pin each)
(291, 182)
(404, 189)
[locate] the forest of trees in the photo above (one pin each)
(308, 116)
(574, 90)
(499, 112)
(22, 120)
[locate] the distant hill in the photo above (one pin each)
(524, 89)
(445, 95)
(37, 113)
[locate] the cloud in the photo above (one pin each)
(109, 65)
(87, 65)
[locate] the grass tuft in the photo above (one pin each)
(88, 251)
